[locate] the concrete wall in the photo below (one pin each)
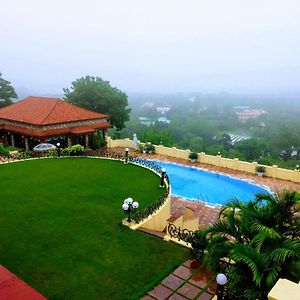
(234, 164)
(158, 221)
(285, 289)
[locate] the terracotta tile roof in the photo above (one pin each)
(45, 111)
(81, 130)
(54, 132)
(13, 288)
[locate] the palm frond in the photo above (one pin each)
(290, 249)
(255, 261)
(267, 231)
(272, 276)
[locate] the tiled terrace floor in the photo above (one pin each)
(184, 283)
(207, 214)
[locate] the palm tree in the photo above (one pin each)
(261, 237)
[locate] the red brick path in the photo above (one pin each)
(184, 284)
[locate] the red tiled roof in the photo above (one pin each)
(81, 130)
(54, 132)
(13, 288)
(45, 111)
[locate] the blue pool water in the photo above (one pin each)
(211, 187)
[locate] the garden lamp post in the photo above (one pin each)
(58, 149)
(162, 178)
(221, 281)
(129, 206)
(126, 155)
(297, 167)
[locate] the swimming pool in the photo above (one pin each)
(211, 187)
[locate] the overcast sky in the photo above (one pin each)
(153, 46)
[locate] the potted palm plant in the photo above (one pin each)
(260, 170)
(193, 156)
(149, 148)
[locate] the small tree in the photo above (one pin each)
(98, 95)
(7, 92)
(193, 156)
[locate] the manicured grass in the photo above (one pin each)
(61, 229)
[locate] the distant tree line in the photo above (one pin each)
(203, 126)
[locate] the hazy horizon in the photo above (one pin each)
(242, 47)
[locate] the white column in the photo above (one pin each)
(12, 138)
(69, 141)
(86, 141)
(26, 144)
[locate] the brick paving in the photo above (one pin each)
(207, 214)
(184, 283)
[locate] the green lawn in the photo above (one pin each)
(61, 229)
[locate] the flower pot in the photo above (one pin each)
(260, 174)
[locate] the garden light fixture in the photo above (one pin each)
(58, 149)
(162, 178)
(126, 155)
(129, 206)
(221, 281)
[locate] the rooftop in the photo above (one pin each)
(46, 111)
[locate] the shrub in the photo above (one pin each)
(141, 147)
(260, 169)
(3, 150)
(75, 150)
(149, 148)
(193, 155)
(98, 142)
(199, 244)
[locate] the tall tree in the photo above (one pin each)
(7, 92)
(96, 94)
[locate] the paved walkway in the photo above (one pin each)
(185, 283)
(207, 214)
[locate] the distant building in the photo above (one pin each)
(148, 105)
(247, 114)
(164, 120)
(294, 153)
(146, 121)
(240, 108)
(163, 109)
(237, 138)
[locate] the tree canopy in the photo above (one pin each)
(7, 92)
(98, 95)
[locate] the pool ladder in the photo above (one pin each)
(203, 197)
